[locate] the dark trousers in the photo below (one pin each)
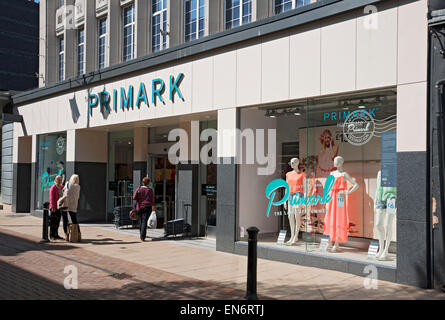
(54, 222)
(143, 219)
(73, 216)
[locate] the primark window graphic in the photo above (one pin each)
(355, 128)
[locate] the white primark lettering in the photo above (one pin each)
(197, 310)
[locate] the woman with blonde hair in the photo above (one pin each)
(72, 191)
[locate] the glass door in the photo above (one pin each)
(163, 175)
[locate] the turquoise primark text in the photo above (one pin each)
(272, 188)
(126, 98)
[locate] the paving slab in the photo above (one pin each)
(189, 269)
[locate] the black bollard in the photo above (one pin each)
(252, 263)
(45, 223)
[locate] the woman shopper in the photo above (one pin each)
(72, 191)
(144, 197)
(55, 193)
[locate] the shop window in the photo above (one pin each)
(51, 159)
(338, 158)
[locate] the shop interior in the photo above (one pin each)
(164, 174)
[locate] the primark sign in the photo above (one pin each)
(131, 97)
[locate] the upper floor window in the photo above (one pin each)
(60, 3)
(128, 33)
(81, 51)
(194, 19)
(285, 5)
(61, 59)
(159, 25)
(101, 47)
(238, 12)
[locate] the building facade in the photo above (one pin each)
(19, 66)
(214, 99)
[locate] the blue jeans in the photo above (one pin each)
(73, 216)
(143, 219)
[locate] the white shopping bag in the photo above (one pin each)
(152, 221)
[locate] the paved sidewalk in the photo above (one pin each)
(114, 264)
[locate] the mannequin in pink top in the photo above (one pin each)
(297, 182)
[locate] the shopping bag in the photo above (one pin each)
(73, 233)
(152, 221)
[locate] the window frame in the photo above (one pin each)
(252, 14)
(294, 5)
(61, 58)
(131, 25)
(99, 38)
(81, 46)
(196, 22)
(162, 46)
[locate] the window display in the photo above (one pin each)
(51, 158)
(338, 173)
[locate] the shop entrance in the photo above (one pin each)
(163, 175)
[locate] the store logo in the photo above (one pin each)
(359, 128)
(108, 101)
(60, 145)
(274, 186)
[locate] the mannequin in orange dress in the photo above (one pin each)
(297, 181)
(336, 222)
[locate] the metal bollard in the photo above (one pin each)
(252, 263)
(45, 223)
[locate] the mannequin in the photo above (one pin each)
(297, 182)
(336, 220)
(384, 217)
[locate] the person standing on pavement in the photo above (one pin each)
(72, 191)
(144, 197)
(55, 193)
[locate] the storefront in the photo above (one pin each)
(313, 90)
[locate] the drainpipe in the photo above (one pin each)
(441, 140)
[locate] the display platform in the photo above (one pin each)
(350, 253)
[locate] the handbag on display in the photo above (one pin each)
(153, 220)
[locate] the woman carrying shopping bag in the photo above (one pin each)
(71, 193)
(145, 205)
